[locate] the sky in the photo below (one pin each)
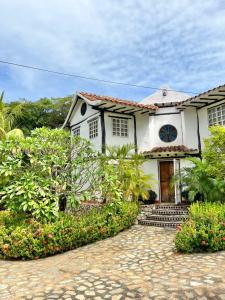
(175, 43)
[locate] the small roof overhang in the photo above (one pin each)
(204, 99)
(170, 151)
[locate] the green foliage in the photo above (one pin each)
(214, 152)
(205, 179)
(125, 169)
(200, 184)
(205, 229)
(37, 172)
(25, 238)
(45, 112)
(8, 119)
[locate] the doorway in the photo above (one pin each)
(166, 172)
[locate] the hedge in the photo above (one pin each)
(204, 231)
(25, 238)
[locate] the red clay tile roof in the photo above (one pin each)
(93, 97)
(180, 148)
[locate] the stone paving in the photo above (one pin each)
(139, 263)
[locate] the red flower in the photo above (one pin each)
(223, 238)
(50, 235)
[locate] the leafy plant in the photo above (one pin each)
(199, 184)
(40, 171)
(127, 166)
(214, 152)
(8, 118)
(205, 229)
(22, 237)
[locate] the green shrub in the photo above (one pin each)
(205, 229)
(37, 173)
(25, 238)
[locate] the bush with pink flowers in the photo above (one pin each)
(204, 231)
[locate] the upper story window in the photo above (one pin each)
(93, 128)
(76, 131)
(217, 115)
(120, 127)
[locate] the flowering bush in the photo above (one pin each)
(26, 238)
(205, 229)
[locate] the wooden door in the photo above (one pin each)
(166, 170)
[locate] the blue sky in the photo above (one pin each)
(180, 43)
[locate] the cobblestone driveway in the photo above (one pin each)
(139, 263)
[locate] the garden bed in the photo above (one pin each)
(26, 238)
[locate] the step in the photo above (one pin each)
(168, 212)
(159, 223)
(167, 218)
(173, 207)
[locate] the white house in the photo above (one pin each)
(167, 127)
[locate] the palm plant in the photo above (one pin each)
(128, 165)
(8, 118)
(197, 181)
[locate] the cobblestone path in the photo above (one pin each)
(139, 263)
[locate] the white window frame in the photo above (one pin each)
(216, 115)
(120, 127)
(76, 131)
(93, 128)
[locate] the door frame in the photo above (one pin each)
(177, 192)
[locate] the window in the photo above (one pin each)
(168, 133)
(93, 128)
(217, 115)
(120, 127)
(76, 131)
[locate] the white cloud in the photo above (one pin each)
(180, 43)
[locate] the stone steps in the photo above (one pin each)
(169, 212)
(165, 215)
(167, 218)
(159, 223)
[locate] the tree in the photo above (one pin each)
(214, 152)
(47, 112)
(8, 118)
(40, 171)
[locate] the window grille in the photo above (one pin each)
(217, 115)
(93, 128)
(76, 131)
(120, 127)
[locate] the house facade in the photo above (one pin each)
(167, 127)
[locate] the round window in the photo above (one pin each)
(168, 133)
(83, 109)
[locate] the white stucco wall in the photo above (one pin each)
(118, 140)
(190, 130)
(150, 167)
(143, 133)
(165, 116)
(76, 118)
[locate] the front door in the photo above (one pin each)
(166, 172)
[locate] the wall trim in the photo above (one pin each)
(83, 120)
(102, 116)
